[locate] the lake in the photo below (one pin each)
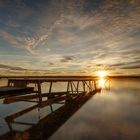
(111, 114)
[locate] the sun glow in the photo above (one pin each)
(101, 74)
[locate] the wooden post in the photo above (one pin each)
(77, 87)
(8, 83)
(68, 87)
(39, 91)
(51, 108)
(50, 89)
(71, 87)
(84, 86)
(74, 87)
(10, 126)
(95, 85)
(90, 85)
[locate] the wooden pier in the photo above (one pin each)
(75, 86)
(77, 91)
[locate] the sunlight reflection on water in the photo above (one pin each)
(111, 114)
(101, 83)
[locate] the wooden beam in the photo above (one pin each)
(12, 99)
(20, 113)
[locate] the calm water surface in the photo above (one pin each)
(112, 114)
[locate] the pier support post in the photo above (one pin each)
(68, 87)
(77, 87)
(95, 85)
(39, 92)
(50, 90)
(71, 87)
(84, 88)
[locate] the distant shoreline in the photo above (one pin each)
(124, 76)
(68, 76)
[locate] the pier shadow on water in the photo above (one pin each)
(60, 111)
(111, 114)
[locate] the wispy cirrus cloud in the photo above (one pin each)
(95, 33)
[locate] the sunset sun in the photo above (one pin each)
(102, 73)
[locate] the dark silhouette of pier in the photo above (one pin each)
(78, 91)
(50, 123)
(75, 86)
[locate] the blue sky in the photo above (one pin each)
(70, 36)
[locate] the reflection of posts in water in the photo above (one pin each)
(49, 102)
(52, 121)
(39, 92)
(11, 118)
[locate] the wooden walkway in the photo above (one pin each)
(75, 86)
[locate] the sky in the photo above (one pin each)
(69, 37)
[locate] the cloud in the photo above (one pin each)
(13, 40)
(67, 59)
(18, 42)
(91, 33)
(2, 66)
(132, 67)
